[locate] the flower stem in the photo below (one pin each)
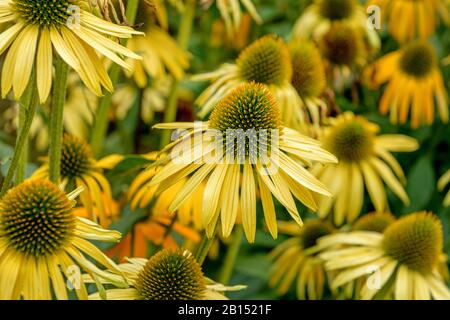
(184, 34)
(204, 246)
(101, 122)
(56, 118)
(231, 255)
(28, 104)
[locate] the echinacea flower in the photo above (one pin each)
(266, 61)
(167, 275)
(344, 53)
(269, 157)
(37, 27)
(365, 162)
(322, 15)
(309, 79)
(42, 244)
(296, 260)
(401, 263)
(80, 169)
(231, 13)
(414, 84)
(373, 222)
(408, 20)
(159, 51)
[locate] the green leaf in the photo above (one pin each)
(421, 184)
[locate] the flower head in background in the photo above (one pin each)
(344, 52)
(401, 263)
(442, 183)
(266, 61)
(408, 20)
(231, 13)
(365, 162)
(167, 275)
(273, 163)
(80, 169)
(141, 196)
(161, 54)
(415, 85)
(296, 260)
(75, 34)
(42, 242)
(309, 79)
(322, 16)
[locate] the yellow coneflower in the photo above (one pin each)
(344, 53)
(42, 242)
(320, 17)
(276, 168)
(266, 61)
(168, 275)
(231, 13)
(80, 169)
(159, 51)
(296, 259)
(141, 196)
(373, 222)
(154, 99)
(153, 231)
(308, 78)
(365, 161)
(408, 20)
(37, 27)
(415, 82)
(401, 263)
(442, 183)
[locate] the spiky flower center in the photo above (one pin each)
(36, 218)
(342, 44)
(44, 13)
(246, 118)
(376, 222)
(308, 76)
(314, 230)
(171, 275)
(350, 140)
(415, 240)
(418, 59)
(337, 9)
(76, 157)
(266, 61)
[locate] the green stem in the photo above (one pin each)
(56, 118)
(22, 135)
(204, 246)
(22, 165)
(101, 122)
(231, 255)
(184, 33)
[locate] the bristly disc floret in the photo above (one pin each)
(415, 240)
(337, 9)
(342, 44)
(313, 230)
(171, 275)
(308, 76)
(266, 61)
(36, 218)
(350, 140)
(44, 13)
(418, 59)
(376, 222)
(76, 157)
